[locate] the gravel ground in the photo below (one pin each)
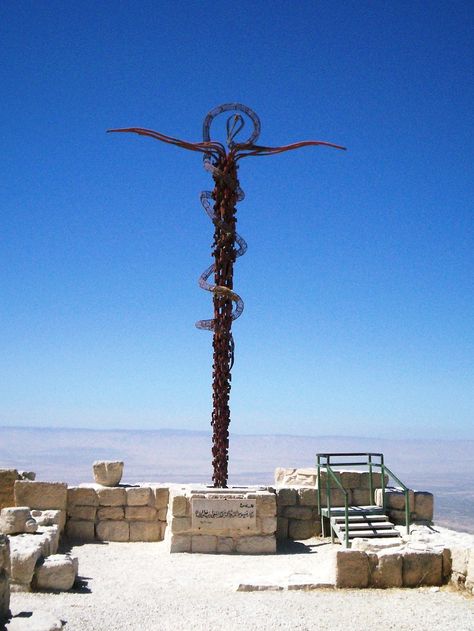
(139, 586)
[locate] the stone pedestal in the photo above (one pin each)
(238, 520)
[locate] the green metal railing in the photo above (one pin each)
(323, 461)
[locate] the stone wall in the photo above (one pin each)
(8, 478)
(188, 531)
(4, 578)
(121, 513)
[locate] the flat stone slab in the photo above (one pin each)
(34, 621)
(293, 582)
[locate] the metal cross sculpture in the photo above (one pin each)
(220, 204)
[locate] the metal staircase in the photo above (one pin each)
(350, 521)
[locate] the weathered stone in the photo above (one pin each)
(268, 525)
(48, 539)
(161, 497)
(423, 506)
(140, 513)
(15, 520)
(145, 531)
(266, 505)
(376, 479)
(24, 553)
(395, 499)
(111, 512)
(111, 496)
(179, 543)
(180, 525)
(459, 559)
(298, 512)
(206, 544)
(422, 568)
(447, 564)
(82, 496)
(113, 531)
(295, 477)
(282, 528)
(360, 497)
(4, 596)
(86, 513)
(162, 514)
(398, 517)
(225, 545)
(41, 495)
(50, 518)
(386, 569)
(332, 481)
(55, 573)
(256, 545)
(301, 529)
(308, 496)
(80, 530)
(352, 569)
(108, 472)
(470, 571)
(179, 506)
(286, 497)
(139, 496)
(337, 497)
(351, 479)
(36, 621)
(8, 478)
(4, 553)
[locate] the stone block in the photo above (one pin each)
(180, 525)
(422, 568)
(351, 479)
(206, 544)
(108, 472)
(225, 545)
(332, 482)
(16, 520)
(302, 529)
(82, 496)
(112, 531)
(113, 496)
(111, 512)
(162, 514)
(179, 543)
(298, 512)
(307, 496)
(140, 513)
(48, 539)
(459, 559)
(286, 497)
(179, 506)
(361, 497)
(398, 517)
(24, 553)
(4, 596)
(85, 513)
(337, 497)
(265, 544)
(161, 497)
(80, 530)
(376, 479)
(352, 569)
(41, 495)
(423, 506)
(139, 496)
(386, 570)
(4, 553)
(55, 573)
(50, 518)
(268, 525)
(395, 499)
(8, 478)
(470, 571)
(282, 528)
(447, 565)
(266, 505)
(295, 477)
(145, 531)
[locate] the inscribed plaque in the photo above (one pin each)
(223, 513)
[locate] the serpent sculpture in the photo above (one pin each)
(220, 205)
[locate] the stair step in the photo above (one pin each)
(354, 510)
(381, 525)
(379, 534)
(354, 519)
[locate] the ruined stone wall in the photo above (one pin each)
(4, 578)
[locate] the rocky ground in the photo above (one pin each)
(139, 586)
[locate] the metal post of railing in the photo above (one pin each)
(371, 483)
(407, 510)
(319, 494)
(382, 468)
(346, 505)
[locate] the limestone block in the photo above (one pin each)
(206, 544)
(48, 539)
(145, 531)
(82, 496)
(113, 531)
(459, 559)
(337, 497)
(180, 525)
(4, 596)
(80, 530)
(225, 545)
(50, 518)
(395, 499)
(286, 497)
(266, 505)
(447, 564)
(41, 495)
(108, 472)
(295, 477)
(268, 525)
(86, 513)
(16, 519)
(140, 513)
(422, 568)
(139, 496)
(161, 497)
(332, 482)
(111, 512)
(282, 528)
(301, 529)
(423, 506)
(470, 571)
(113, 496)
(265, 544)
(376, 479)
(361, 497)
(55, 573)
(352, 569)
(179, 543)
(162, 514)
(179, 506)
(7, 482)
(4, 553)
(307, 496)
(351, 479)
(398, 517)
(386, 569)
(24, 553)
(298, 512)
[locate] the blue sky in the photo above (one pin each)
(358, 280)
